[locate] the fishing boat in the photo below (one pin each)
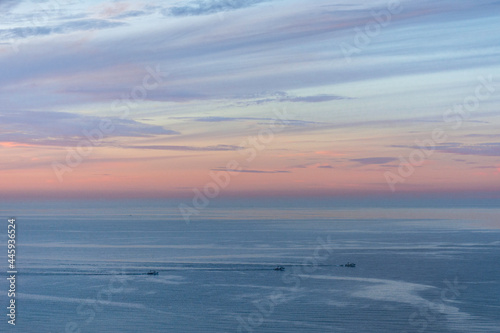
(151, 272)
(279, 268)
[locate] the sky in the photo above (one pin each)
(254, 97)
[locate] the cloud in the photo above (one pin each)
(7, 5)
(283, 97)
(253, 99)
(64, 28)
(145, 10)
(274, 55)
(67, 129)
(291, 53)
(492, 136)
(374, 160)
(187, 148)
(219, 119)
(480, 149)
(312, 166)
(252, 171)
(19, 162)
(486, 167)
(215, 119)
(314, 99)
(205, 7)
(131, 13)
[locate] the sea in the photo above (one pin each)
(82, 267)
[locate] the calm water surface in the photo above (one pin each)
(82, 269)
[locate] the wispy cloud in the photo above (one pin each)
(230, 64)
(313, 99)
(480, 149)
(205, 7)
(216, 119)
(313, 166)
(487, 167)
(64, 28)
(131, 13)
(282, 97)
(247, 100)
(491, 136)
(6, 5)
(138, 12)
(64, 128)
(374, 160)
(21, 163)
(252, 171)
(187, 148)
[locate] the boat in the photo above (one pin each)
(279, 268)
(151, 272)
(350, 264)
